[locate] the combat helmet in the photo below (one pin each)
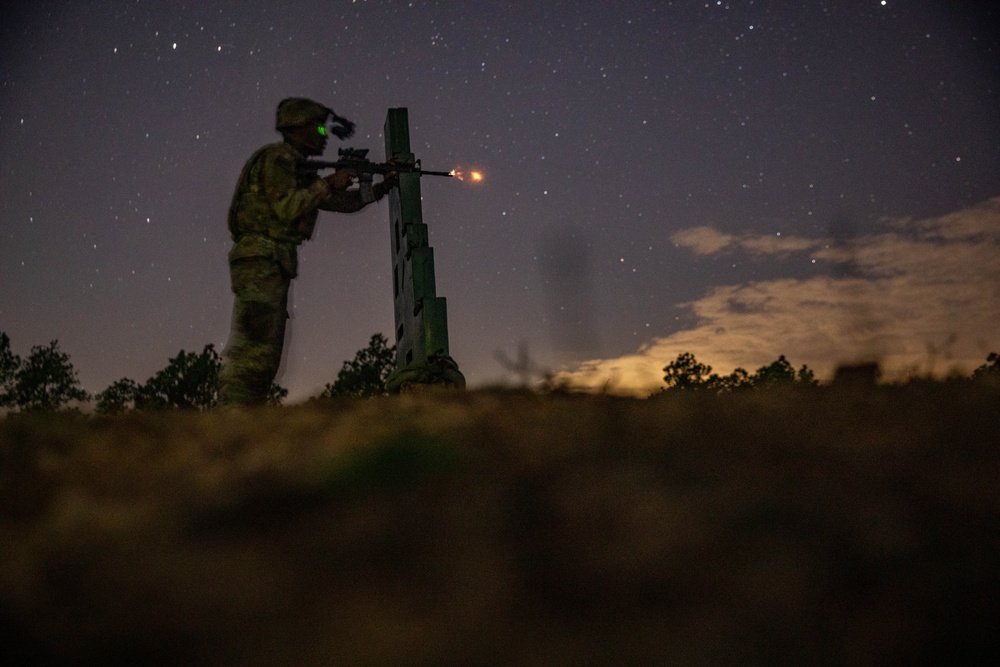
(296, 111)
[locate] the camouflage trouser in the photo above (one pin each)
(253, 353)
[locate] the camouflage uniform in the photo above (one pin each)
(274, 209)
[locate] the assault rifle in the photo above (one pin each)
(356, 160)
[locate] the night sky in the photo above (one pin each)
(738, 180)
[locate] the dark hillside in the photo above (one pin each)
(851, 527)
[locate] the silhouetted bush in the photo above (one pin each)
(364, 375)
(686, 373)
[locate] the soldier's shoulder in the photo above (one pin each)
(266, 152)
(281, 153)
(277, 149)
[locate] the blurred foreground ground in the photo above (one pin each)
(812, 527)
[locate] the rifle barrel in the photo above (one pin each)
(360, 166)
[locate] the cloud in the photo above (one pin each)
(707, 241)
(776, 245)
(702, 240)
(922, 296)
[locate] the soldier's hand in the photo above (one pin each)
(340, 179)
(390, 180)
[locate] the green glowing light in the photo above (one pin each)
(321, 129)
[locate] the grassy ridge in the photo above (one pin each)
(820, 526)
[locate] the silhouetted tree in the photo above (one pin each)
(364, 375)
(777, 372)
(738, 379)
(990, 371)
(9, 363)
(686, 373)
(781, 373)
(188, 381)
(806, 376)
(117, 398)
(45, 380)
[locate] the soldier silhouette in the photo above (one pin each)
(274, 209)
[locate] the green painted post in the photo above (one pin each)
(421, 316)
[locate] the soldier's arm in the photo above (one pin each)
(349, 201)
(342, 201)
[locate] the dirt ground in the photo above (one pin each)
(822, 526)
